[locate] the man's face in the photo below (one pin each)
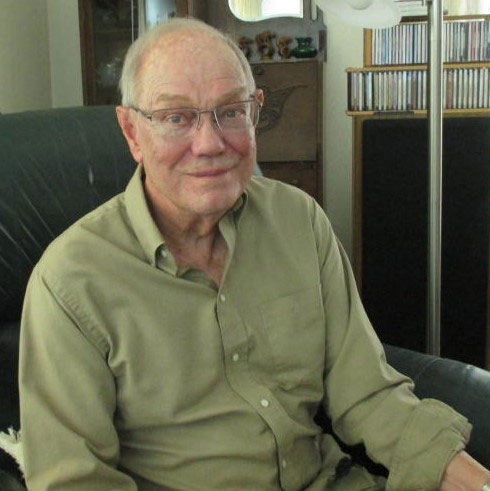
(204, 173)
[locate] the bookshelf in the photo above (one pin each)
(467, 40)
(394, 75)
(387, 101)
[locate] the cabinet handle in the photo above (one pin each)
(258, 70)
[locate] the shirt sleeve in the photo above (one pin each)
(367, 400)
(67, 397)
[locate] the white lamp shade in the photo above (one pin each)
(363, 13)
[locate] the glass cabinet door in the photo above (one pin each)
(107, 28)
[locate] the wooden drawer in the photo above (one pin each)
(288, 126)
(300, 174)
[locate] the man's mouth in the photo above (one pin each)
(212, 172)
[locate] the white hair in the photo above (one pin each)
(144, 43)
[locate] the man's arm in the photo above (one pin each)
(464, 474)
(67, 397)
(367, 400)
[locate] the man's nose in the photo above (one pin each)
(207, 138)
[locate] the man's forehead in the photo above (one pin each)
(179, 46)
(172, 65)
(166, 95)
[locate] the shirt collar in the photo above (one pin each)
(239, 206)
(144, 226)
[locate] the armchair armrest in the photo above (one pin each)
(464, 387)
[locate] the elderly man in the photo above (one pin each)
(187, 331)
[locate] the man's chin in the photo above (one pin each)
(216, 203)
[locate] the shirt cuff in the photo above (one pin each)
(432, 437)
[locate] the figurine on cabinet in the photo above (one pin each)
(244, 44)
(305, 48)
(264, 44)
(283, 47)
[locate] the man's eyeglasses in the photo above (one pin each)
(179, 123)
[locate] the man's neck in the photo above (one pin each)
(194, 241)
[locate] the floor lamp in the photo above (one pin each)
(434, 96)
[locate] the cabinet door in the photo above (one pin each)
(288, 126)
(107, 28)
(393, 234)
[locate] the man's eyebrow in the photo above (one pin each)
(180, 99)
(184, 101)
(233, 94)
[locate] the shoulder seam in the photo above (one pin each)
(84, 322)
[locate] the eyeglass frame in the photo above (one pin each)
(252, 98)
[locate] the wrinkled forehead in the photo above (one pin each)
(188, 58)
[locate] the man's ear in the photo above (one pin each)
(259, 94)
(126, 122)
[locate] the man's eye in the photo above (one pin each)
(174, 119)
(178, 119)
(232, 112)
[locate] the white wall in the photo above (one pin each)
(24, 56)
(64, 48)
(40, 64)
(344, 49)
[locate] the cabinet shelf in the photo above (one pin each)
(114, 33)
(420, 112)
(395, 68)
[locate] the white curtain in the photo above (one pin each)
(246, 9)
(467, 7)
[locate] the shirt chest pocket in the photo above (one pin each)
(293, 326)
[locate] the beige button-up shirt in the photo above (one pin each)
(137, 375)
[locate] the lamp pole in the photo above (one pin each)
(435, 71)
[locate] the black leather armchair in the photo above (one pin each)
(56, 165)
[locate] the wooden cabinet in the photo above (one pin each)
(289, 133)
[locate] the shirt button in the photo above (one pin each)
(264, 403)
(222, 297)
(235, 357)
(284, 463)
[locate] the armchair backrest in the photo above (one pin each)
(55, 166)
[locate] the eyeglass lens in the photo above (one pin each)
(179, 122)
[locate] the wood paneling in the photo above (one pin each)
(289, 134)
(288, 122)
